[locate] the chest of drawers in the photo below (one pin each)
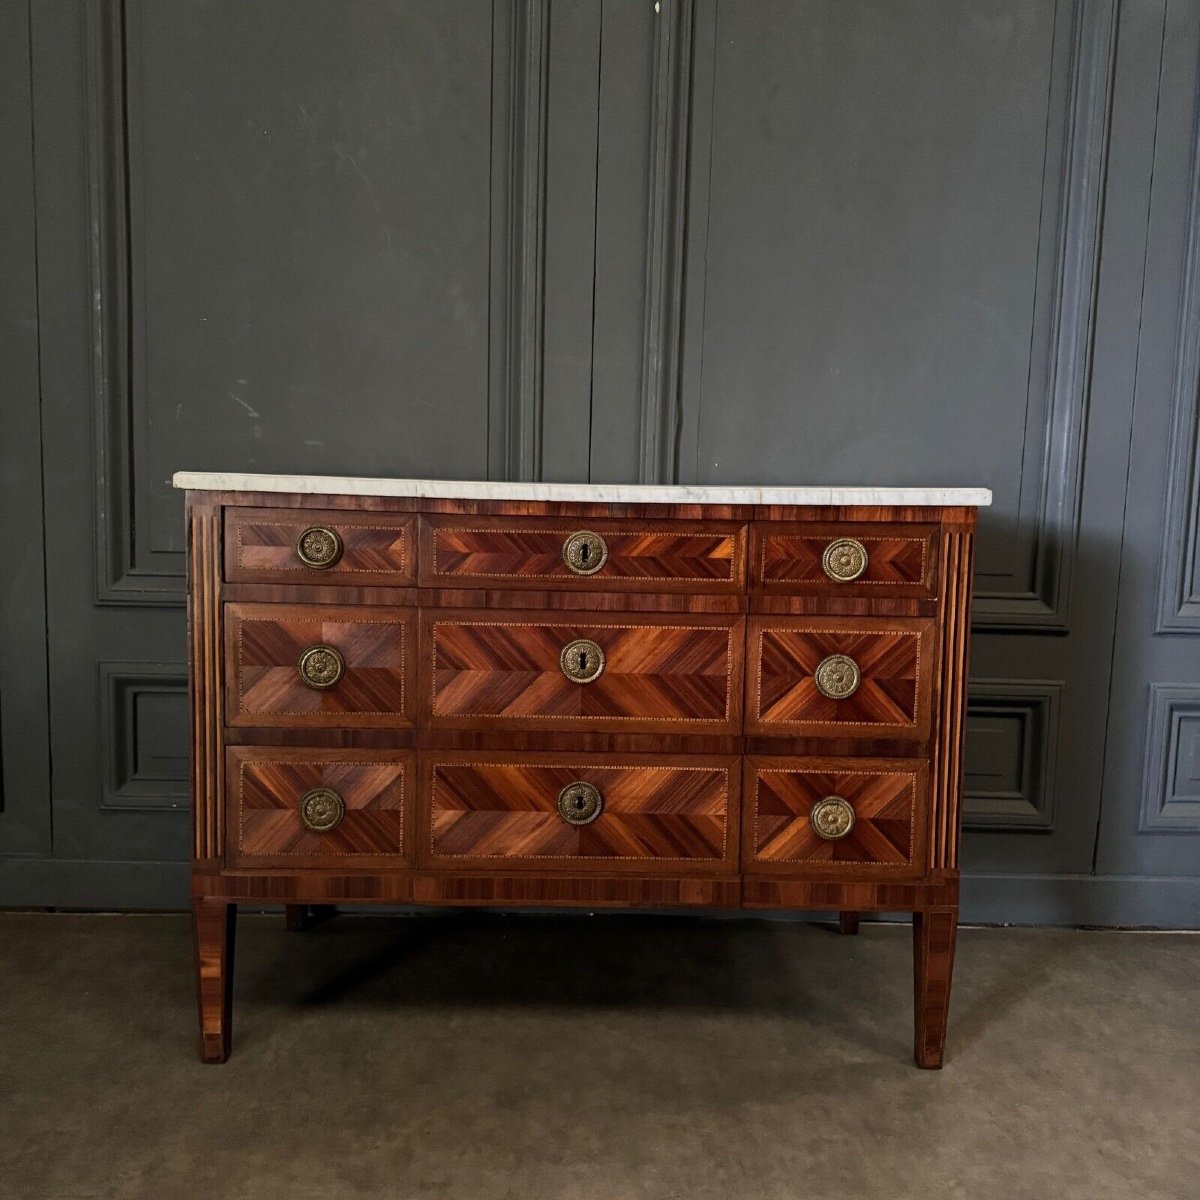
(408, 692)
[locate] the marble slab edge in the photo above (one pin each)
(591, 493)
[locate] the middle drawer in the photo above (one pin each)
(635, 673)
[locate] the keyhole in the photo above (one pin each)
(579, 804)
(582, 662)
(584, 551)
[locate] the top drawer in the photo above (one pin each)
(838, 558)
(583, 553)
(309, 545)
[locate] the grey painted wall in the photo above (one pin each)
(894, 241)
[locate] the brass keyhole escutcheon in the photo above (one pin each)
(321, 666)
(322, 809)
(837, 677)
(581, 660)
(319, 547)
(585, 552)
(831, 818)
(845, 559)
(580, 803)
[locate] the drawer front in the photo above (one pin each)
(856, 817)
(290, 807)
(318, 546)
(585, 553)
(318, 665)
(846, 559)
(840, 677)
(670, 673)
(505, 810)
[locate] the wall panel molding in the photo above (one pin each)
(128, 570)
(670, 127)
(1171, 772)
(1179, 599)
(141, 703)
(1077, 208)
(1017, 720)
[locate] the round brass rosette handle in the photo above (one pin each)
(321, 666)
(580, 803)
(585, 552)
(837, 677)
(319, 547)
(581, 660)
(831, 818)
(322, 809)
(844, 559)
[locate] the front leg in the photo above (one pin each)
(214, 924)
(934, 934)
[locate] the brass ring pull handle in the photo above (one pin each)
(580, 803)
(831, 818)
(844, 560)
(837, 677)
(322, 809)
(318, 547)
(321, 666)
(581, 660)
(585, 552)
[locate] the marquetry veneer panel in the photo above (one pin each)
(264, 642)
(666, 673)
(889, 798)
(377, 549)
(901, 559)
(893, 657)
(661, 556)
(502, 810)
(265, 787)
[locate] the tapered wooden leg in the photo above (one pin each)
(214, 924)
(934, 933)
(300, 917)
(848, 922)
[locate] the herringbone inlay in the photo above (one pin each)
(268, 646)
(510, 670)
(268, 795)
(884, 804)
(893, 562)
(509, 810)
(378, 547)
(521, 553)
(889, 690)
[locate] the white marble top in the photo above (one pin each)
(591, 493)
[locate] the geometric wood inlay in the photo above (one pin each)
(885, 814)
(898, 565)
(267, 641)
(510, 670)
(268, 794)
(509, 810)
(889, 689)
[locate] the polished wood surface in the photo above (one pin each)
(453, 728)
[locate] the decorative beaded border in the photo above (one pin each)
(593, 767)
(433, 688)
(759, 772)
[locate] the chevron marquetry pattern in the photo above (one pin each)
(268, 649)
(269, 818)
(379, 545)
(508, 810)
(652, 672)
(891, 561)
(888, 662)
(884, 806)
(517, 553)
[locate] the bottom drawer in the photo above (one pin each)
(573, 812)
(858, 817)
(300, 807)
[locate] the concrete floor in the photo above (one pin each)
(570, 1057)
